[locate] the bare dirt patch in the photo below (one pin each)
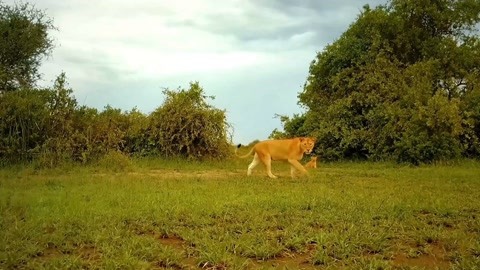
(86, 253)
(435, 259)
(90, 253)
(180, 245)
(289, 260)
(172, 241)
(178, 174)
(50, 253)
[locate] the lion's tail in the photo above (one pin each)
(244, 156)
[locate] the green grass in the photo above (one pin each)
(190, 215)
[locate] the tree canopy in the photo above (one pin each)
(24, 43)
(402, 82)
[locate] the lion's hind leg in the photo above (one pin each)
(253, 164)
(267, 161)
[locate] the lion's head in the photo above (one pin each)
(307, 144)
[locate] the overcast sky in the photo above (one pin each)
(253, 56)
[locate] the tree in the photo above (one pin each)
(187, 126)
(401, 82)
(24, 43)
(291, 127)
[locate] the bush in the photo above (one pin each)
(24, 119)
(187, 126)
(115, 161)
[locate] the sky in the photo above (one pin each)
(253, 56)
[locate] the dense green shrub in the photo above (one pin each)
(48, 127)
(187, 126)
(115, 161)
(24, 119)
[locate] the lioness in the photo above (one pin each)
(290, 150)
(312, 164)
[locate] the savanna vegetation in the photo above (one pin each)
(401, 83)
(172, 214)
(48, 127)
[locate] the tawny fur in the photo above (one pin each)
(290, 150)
(312, 164)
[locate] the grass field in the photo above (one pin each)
(154, 214)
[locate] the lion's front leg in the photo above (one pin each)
(295, 165)
(292, 171)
